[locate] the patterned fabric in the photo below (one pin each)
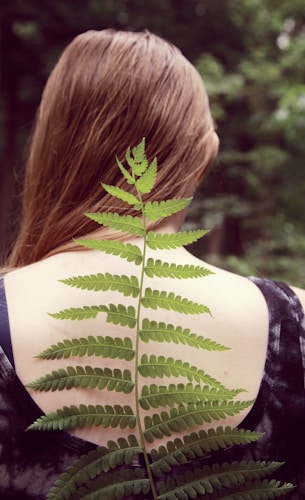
(31, 461)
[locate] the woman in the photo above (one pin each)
(108, 91)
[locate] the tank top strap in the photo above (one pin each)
(5, 334)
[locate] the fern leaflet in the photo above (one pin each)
(79, 313)
(185, 416)
(115, 485)
(159, 366)
(128, 286)
(194, 445)
(86, 416)
(88, 377)
(154, 299)
(121, 194)
(106, 347)
(160, 241)
(207, 479)
(118, 315)
(124, 223)
(155, 210)
(138, 161)
(256, 490)
(156, 396)
(146, 182)
(160, 332)
(128, 251)
(165, 270)
(125, 173)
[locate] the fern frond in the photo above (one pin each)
(165, 270)
(85, 416)
(155, 210)
(106, 347)
(185, 416)
(197, 399)
(79, 313)
(195, 445)
(154, 298)
(128, 251)
(89, 466)
(217, 477)
(164, 241)
(161, 332)
(125, 223)
(123, 195)
(127, 285)
(85, 377)
(116, 485)
(146, 182)
(159, 366)
(156, 396)
(257, 490)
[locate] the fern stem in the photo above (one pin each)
(138, 327)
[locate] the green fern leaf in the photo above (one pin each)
(125, 173)
(132, 253)
(217, 477)
(122, 195)
(88, 377)
(93, 464)
(156, 396)
(127, 285)
(154, 298)
(195, 445)
(118, 315)
(148, 179)
(185, 416)
(165, 270)
(116, 485)
(164, 241)
(125, 223)
(79, 473)
(86, 416)
(106, 347)
(160, 367)
(257, 490)
(155, 210)
(160, 332)
(79, 313)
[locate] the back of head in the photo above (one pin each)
(108, 91)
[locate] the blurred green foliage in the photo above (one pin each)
(253, 201)
(250, 55)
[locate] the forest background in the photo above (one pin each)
(251, 55)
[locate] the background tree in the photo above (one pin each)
(250, 55)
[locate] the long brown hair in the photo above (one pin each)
(108, 90)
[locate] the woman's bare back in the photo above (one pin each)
(238, 320)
